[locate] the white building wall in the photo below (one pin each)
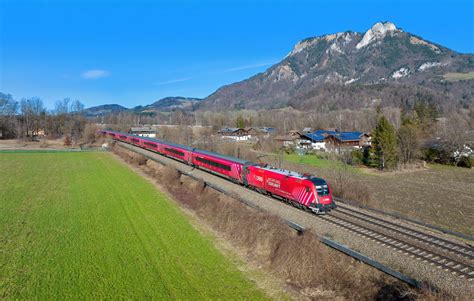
(238, 138)
(150, 135)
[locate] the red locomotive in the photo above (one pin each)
(303, 191)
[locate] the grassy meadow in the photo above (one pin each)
(315, 161)
(84, 226)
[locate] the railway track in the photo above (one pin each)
(462, 250)
(450, 256)
(380, 234)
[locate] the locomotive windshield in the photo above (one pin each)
(321, 186)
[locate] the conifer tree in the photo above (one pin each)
(384, 144)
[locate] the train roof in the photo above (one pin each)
(284, 172)
(167, 143)
(156, 140)
(224, 157)
(191, 149)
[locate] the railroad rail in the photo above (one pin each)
(465, 250)
(361, 257)
(454, 266)
(386, 233)
(398, 216)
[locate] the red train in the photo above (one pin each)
(303, 191)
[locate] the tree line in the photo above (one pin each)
(401, 135)
(28, 118)
(423, 134)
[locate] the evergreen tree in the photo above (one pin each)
(384, 144)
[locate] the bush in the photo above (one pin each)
(465, 162)
(357, 157)
(67, 141)
(368, 157)
(90, 134)
(438, 155)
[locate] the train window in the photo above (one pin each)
(213, 163)
(135, 140)
(150, 144)
(123, 136)
(174, 151)
(112, 134)
(322, 187)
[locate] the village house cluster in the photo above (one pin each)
(327, 140)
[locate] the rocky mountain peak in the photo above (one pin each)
(383, 56)
(378, 31)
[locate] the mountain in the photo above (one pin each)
(166, 104)
(384, 65)
(104, 110)
(169, 104)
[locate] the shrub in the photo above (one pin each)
(68, 141)
(465, 162)
(437, 155)
(357, 157)
(90, 134)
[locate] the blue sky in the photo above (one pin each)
(135, 52)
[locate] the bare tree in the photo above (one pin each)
(34, 114)
(8, 110)
(407, 137)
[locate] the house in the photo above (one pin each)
(294, 139)
(265, 132)
(289, 139)
(144, 131)
(38, 133)
(333, 140)
(251, 131)
(237, 134)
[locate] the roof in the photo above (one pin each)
(224, 157)
(244, 131)
(320, 135)
(350, 136)
(294, 133)
(229, 130)
(142, 129)
(188, 148)
(283, 171)
(266, 129)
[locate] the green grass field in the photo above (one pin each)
(315, 161)
(84, 226)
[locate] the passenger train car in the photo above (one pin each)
(303, 191)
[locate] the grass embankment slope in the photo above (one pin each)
(83, 226)
(440, 195)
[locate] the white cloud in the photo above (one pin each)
(178, 80)
(95, 74)
(252, 66)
